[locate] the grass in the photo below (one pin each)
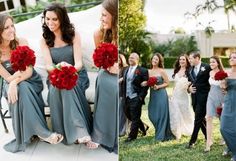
(147, 149)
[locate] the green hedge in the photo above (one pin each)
(170, 61)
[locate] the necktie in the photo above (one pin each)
(130, 71)
(195, 71)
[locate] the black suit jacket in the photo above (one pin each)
(140, 75)
(201, 83)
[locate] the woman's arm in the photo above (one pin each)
(97, 38)
(5, 74)
(166, 81)
(12, 94)
(46, 55)
(77, 52)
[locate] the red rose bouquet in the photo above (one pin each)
(22, 57)
(105, 55)
(152, 81)
(221, 75)
(63, 77)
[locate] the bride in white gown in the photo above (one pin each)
(181, 113)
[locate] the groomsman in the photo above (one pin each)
(134, 95)
(198, 75)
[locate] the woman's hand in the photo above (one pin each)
(12, 93)
(63, 63)
(156, 87)
(144, 84)
(192, 89)
(223, 84)
(121, 79)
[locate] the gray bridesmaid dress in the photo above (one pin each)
(70, 111)
(228, 117)
(105, 124)
(158, 112)
(27, 113)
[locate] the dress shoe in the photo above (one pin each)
(144, 133)
(232, 159)
(128, 140)
(226, 153)
(190, 146)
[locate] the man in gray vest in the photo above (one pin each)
(134, 95)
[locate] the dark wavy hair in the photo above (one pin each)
(3, 18)
(67, 29)
(110, 35)
(177, 65)
(161, 60)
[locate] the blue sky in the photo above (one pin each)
(164, 15)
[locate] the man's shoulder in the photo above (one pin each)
(142, 68)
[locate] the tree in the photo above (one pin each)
(174, 48)
(211, 5)
(132, 34)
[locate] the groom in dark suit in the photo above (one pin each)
(198, 75)
(134, 95)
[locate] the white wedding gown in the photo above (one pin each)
(181, 113)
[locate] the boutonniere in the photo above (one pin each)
(203, 69)
(137, 72)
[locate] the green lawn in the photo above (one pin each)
(147, 149)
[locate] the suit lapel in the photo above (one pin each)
(191, 74)
(125, 73)
(200, 70)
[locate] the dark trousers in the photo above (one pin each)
(199, 123)
(133, 109)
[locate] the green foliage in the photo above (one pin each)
(132, 34)
(40, 7)
(169, 62)
(177, 47)
(224, 60)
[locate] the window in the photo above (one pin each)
(6, 5)
(2, 6)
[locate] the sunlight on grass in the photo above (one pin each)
(147, 149)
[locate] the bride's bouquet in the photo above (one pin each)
(63, 77)
(182, 83)
(21, 58)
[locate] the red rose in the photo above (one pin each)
(219, 110)
(64, 77)
(105, 55)
(221, 75)
(152, 81)
(137, 72)
(22, 57)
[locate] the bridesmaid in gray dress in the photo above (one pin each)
(158, 107)
(105, 124)
(214, 99)
(23, 92)
(70, 112)
(228, 116)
